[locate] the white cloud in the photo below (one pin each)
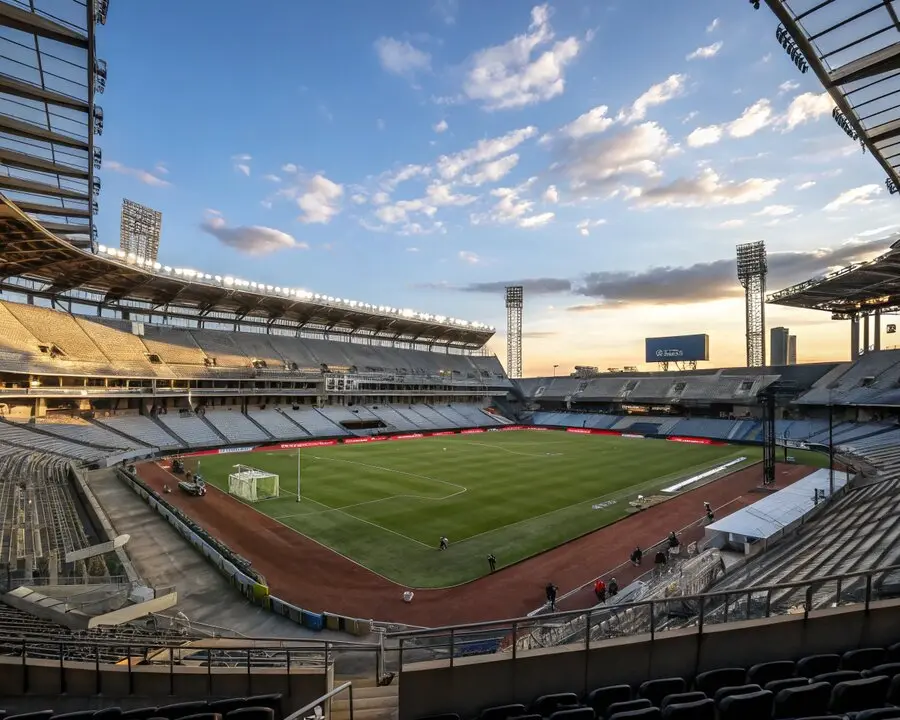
(441, 195)
(381, 198)
(449, 166)
(492, 171)
(508, 76)
(437, 195)
(775, 211)
(272, 178)
(441, 127)
(468, 257)
(242, 157)
(669, 89)
(806, 107)
(252, 240)
(862, 195)
(535, 221)
(161, 169)
(358, 199)
(407, 172)
(243, 168)
(712, 26)
(584, 227)
(709, 135)
(242, 163)
(401, 58)
(730, 224)
(707, 189)
(289, 168)
(787, 86)
(446, 9)
(320, 200)
(705, 52)
(805, 185)
(590, 123)
(635, 152)
(148, 178)
(752, 120)
(412, 249)
(551, 194)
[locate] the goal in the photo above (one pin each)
(252, 485)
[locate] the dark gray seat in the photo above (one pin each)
(746, 706)
(724, 692)
(710, 681)
(601, 698)
(704, 709)
(546, 705)
(767, 672)
(863, 658)
(857, 695)
(628, 706)
(502, 712)
(813, 665)
(803, 701)
(656, 690)
(681, 698)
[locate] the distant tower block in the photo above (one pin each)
(141, 228)
(514, 302)
(751, 271)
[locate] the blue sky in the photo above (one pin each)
(423, 153)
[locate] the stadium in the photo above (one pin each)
(224, 498)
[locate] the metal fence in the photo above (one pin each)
(651, 617)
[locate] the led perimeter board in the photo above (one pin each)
(679, 348)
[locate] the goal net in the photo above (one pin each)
(252, 485)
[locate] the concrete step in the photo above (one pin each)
(369, 703)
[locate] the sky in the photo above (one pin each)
(424, 154)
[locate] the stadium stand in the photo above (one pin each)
(277, 424)
(236, 426)
(193, 429)
(141, 429)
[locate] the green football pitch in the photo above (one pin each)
(515, 494)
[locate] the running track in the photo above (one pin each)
(311, 576)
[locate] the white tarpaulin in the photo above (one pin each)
(771, 513)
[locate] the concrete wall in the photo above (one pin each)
(85, 688)
(474, 683)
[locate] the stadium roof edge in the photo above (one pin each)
(865, 86)
(31, 251)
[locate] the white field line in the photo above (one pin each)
(460, 489)
(513, 452)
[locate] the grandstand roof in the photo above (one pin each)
(31, 251)
(854, 50)
(870, 285)
(47, 123)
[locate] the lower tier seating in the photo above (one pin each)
(257, 707)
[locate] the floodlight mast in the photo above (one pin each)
(752, 268)
(514, 305)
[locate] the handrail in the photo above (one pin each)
(643, 603)
(298, 714)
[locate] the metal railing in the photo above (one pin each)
(319, 702)
(221, 655)
(650, 617)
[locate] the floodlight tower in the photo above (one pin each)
(752, 268)
(514, 303)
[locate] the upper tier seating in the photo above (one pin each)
(221, 347)
(59, 329)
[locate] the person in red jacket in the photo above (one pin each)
(600, 590)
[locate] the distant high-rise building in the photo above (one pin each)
(778, 345)
(141, 228)
(792, 350)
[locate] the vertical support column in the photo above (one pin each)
(877, 330)
(865, 319)
(854, 337)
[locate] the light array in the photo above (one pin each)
(227, 281)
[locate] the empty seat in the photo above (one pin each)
(176, 711)
(681, 698)
(838, 676)
(80, 715)
(725, 692)
(704, 709)
(39, 715)
(862, 659)
(628, 706)
(601, 698)
(140, 714)
(802, 701)
(112, 713)
(856, 695)
(502, 712)
(656, 690)
(270, 700)
(893, 653)
(746, 706)
(577, 713)
(890, 713)
(767, 672)
(546, 705)
(259, 712)
(710, 681)
(887, 669)
(650, 713)
(223, 707)
(817, 665)
(203, 716)
(777, 686)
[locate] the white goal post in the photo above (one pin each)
(252, 485)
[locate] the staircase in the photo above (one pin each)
(370, 702)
